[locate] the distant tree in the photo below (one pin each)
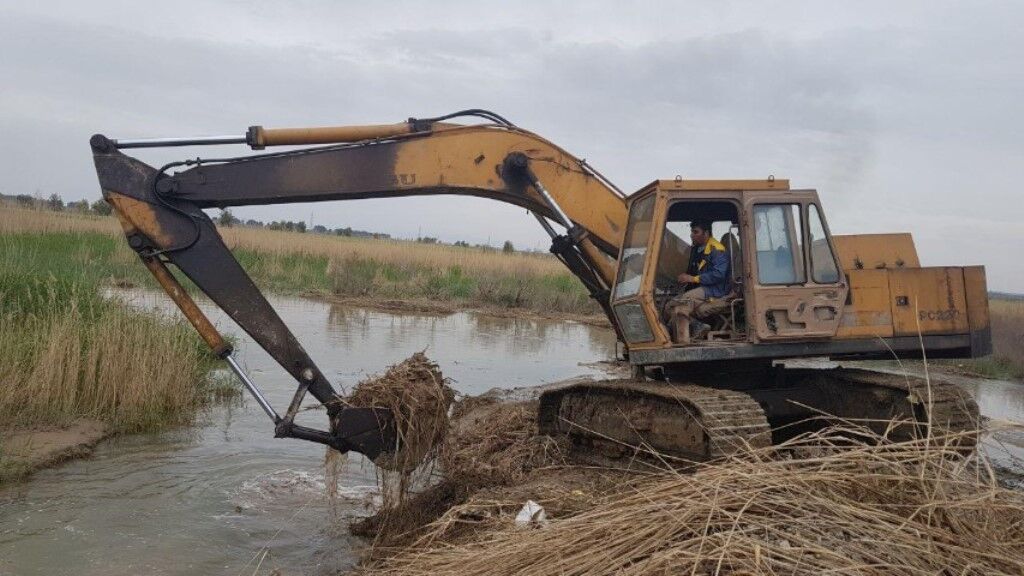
(55, 202)
(461, 243)
(81, 206)
(300, 226)
(25, 200)
(254, 223)
(343, 231)
(320, 229)
(227, 219)
(427, 240)
(508, 248)
(101, 207)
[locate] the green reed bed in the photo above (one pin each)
(66, 352)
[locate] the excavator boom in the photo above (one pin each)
(161, 214)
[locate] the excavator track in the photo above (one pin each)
(616, 419)
(621, 420)
(880, 398)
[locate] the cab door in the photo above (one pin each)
(632, 298)
(797, 286)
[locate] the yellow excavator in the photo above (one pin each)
(797, 290)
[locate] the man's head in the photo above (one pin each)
(700, 232)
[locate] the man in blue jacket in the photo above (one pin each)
(708, 280)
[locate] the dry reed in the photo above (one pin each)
(1008, 333)
(488, 444)
(24, 220)
(497, 443)
(418, 398)
(398, 252)
(832, 504)
(273, 243)
(132, 370)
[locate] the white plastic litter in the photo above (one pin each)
(531, 515)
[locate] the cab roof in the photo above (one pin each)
(679, 183)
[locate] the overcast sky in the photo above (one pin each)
(905, 116)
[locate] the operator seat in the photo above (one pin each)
(724, 327)
(732, 246)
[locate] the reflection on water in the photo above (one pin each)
(206, 500)
(1003, 402)
(479, 352)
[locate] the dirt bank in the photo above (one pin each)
(25, 451)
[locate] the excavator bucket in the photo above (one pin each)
(369, 431)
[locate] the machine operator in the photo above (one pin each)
(708, 282)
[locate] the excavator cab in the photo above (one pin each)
(784, 279)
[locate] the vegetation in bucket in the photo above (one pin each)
(418, 397)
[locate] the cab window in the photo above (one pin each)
(823, 262)
(634, 249)
(778, 231)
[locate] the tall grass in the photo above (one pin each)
(395, 269)
(134, 371)
(290, 262)
(67, 353)
(1008, 336)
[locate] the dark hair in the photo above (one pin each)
(704, 225)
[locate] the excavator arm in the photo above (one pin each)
(161, 214)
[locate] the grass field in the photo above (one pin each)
(68, 353)
(290, 263)
(1007, 360)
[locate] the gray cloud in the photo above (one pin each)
(904, 117)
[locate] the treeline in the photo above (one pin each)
(57, 204)
(994, 295)
(507, 247)
(226, 218)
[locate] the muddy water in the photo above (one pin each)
(225, 497)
